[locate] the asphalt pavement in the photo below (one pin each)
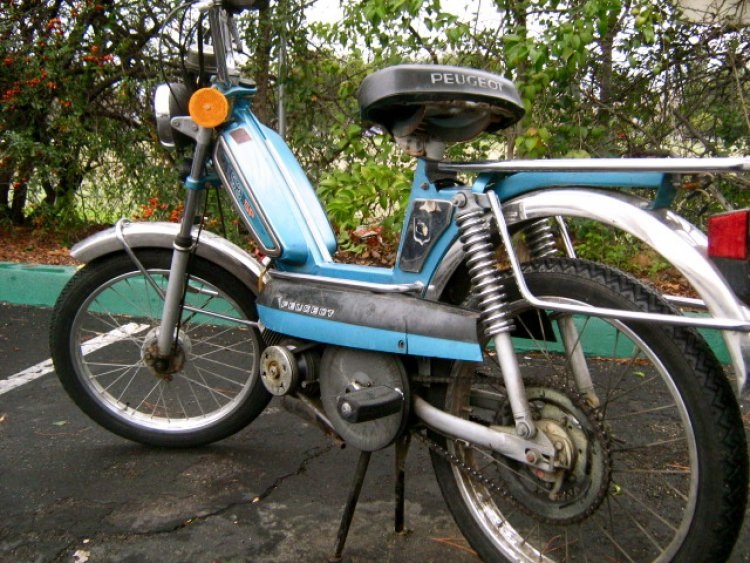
(70, 491)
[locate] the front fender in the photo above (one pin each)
(676, 240)
(211, 247)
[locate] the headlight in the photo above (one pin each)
(170, 100)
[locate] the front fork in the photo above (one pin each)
(183, 248)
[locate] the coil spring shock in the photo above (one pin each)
(540, 239)
(480, 260)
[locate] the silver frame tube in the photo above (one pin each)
(500, 439)
(177, 277)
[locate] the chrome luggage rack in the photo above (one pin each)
(664, 165)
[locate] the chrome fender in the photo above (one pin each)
(211, 247)
(676, 240)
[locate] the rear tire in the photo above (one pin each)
(102, 326)
(663, 462)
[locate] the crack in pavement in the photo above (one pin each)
(300, 469)
(81, 543)
(310, 456)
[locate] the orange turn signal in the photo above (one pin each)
(208, 107)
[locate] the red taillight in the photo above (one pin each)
(728, 235)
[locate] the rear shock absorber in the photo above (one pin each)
(540, 239)
(482, 266)
(474, 233)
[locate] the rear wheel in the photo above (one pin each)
(660, 459)
(103, 343)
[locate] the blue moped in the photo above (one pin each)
(571, 412)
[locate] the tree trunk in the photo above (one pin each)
(605, 72)
(50, 193)
(262, 101)
(18, 203)
(516, 20)
(605, 79)
(19, 192)
(6, 175)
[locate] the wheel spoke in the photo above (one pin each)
(657, 444)
(213, 392)
(629, 491)
(210, 377)
(640, 413)
(637, 523)
(606, 533)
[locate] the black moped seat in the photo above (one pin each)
(446, 103)
(240, 5)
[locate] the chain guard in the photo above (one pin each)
(344, 370)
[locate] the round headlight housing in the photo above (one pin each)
(171, 100)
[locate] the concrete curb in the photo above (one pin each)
(39, 285)
(30, 284)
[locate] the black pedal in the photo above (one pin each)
(369, 403)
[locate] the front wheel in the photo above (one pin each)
(660, 464)
(103, 338)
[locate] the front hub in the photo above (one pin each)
(165, 367)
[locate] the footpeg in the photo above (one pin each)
(369, 403)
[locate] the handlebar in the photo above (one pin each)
(226, 40)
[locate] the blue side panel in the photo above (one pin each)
(266, 186)
(302, 190)
(365, 338)
(264, 168)
(369, 274)
(440, 348)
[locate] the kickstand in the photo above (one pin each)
(351, 504)
(402, 448)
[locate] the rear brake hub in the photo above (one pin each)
(576, 489)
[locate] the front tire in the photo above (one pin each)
(662, 460)
(103, 331)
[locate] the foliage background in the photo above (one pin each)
(598, 78)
